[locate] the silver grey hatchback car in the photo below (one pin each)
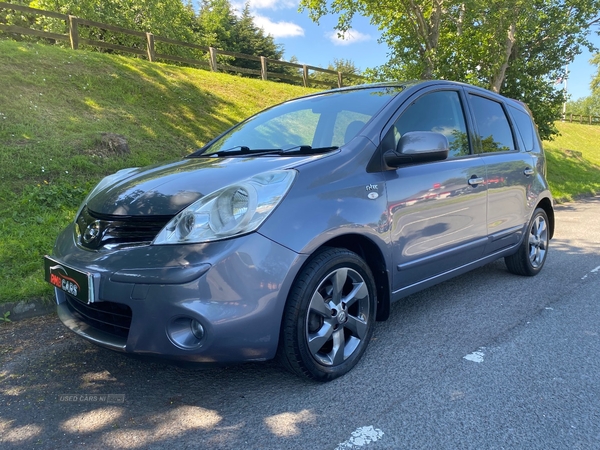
(290, 234)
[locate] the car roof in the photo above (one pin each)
(420, 84)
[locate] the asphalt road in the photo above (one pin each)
(488, 360)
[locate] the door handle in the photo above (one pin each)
(528, 171)
(474, 180)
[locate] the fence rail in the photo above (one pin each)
(147, 49)
(591, 120)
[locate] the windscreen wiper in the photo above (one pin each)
(308, 150)
(242, 150)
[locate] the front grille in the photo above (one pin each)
(95, 231)
(112, 318)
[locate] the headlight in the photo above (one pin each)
(236, 209)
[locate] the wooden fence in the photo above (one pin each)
(149, 40)
(591, 120)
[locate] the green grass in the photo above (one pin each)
(574, 161)
(54, 105)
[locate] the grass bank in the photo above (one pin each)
(56, 106)
(574, 161)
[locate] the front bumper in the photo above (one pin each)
(236, 289)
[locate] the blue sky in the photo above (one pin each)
(319, 45)
(316, 45)
(581, 73)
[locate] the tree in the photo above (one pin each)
(586, 106)
(346, 66)
(221, 28)
(216, 21)
(595, 84)
(516, 47)
(251, 40)
(214, 25)
(18, 18)
(168, 18)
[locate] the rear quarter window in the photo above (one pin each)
(524, 126)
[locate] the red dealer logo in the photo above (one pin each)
(59, 278)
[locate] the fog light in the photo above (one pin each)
(197, 329)
(186, 332)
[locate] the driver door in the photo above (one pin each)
(437, 209)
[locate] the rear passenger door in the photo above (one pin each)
(508, 171)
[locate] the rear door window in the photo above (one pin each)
(494, 132)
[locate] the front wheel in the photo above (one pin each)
(531, 256)
(329, 316)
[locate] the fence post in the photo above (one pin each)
(73, 32)
(263, 68)
(590, 120)
(150, 46)
(213, 58)
(305, 75)
(571, 118)
(339, 79)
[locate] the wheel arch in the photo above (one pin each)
(372, 255)
(546, 205)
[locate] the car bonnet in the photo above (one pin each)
(167, 189)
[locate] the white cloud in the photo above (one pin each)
(348, 37)
(237, 8)
(278, 29)
(273, 4)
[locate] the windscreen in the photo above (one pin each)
(324, 120)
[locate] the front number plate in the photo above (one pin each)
(74, 282)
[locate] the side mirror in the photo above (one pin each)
(418, 147)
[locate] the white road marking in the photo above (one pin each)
(476, 356)
(596, 270)
(360, 437)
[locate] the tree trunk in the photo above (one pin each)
(461, 18)
(429, 32)
(498, 78)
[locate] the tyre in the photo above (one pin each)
(329, 316)
(530, 257)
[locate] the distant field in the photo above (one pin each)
(574, 161)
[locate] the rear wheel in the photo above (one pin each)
(329, 316)
(531, 256)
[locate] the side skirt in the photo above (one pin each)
(416, 287)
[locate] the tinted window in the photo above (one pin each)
(494, 130)
(440, 112)
(525, 127)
